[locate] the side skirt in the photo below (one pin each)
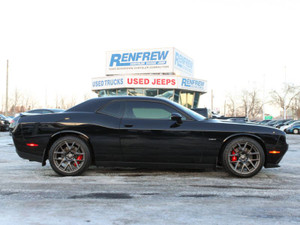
(154, 165)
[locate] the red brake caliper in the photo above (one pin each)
(233, 158)
(80, 157)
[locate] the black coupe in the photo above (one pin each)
(145, 132)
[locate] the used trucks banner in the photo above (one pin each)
(142, 81)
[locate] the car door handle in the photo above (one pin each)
(128, 125)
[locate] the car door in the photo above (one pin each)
(105, 133)
(148, 134)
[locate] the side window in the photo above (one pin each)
(148, 110)
(115, 109)
(46, 112)
(36, 111)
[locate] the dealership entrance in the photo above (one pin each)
(165, 73)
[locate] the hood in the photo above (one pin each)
(242, 127)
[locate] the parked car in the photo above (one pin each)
(287, 124)
(9, 118)
(271, 123)
(293, 128)
(145, 132)
(284, 122)
(263, 122)
(15, 120)
(279, 122)
(202, 111)
(4, 123)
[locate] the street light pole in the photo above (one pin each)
(284, 99)
(6, 97)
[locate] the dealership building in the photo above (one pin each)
(161, 72)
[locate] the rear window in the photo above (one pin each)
(115, 109)
(91, 105)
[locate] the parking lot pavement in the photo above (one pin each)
(31, 194)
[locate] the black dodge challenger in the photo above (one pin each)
(145, 132)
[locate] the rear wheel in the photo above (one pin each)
(69, 156)
(296, 131)
(243, 157)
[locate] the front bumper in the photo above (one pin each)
(273, 160)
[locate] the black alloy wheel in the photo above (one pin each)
(69, 156)
(243, 157)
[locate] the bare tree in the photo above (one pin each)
(231, 106)
(284, 99)
(295, 107)
(252, 105)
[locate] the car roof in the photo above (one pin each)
(93, 104)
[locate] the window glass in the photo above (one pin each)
(102, 93)
(36, 111)
(114, 109)
(46, 111)
(122, 91)
(112, 92)
(148, 110)
(186, 98)
(196, 100)
(176, 96)
(151, 92)
(166, 93)
(135, 92)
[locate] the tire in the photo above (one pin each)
(243, 157)
(69, 156)
(295, 131)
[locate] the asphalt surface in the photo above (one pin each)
(32, 194)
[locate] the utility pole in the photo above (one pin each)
(285, 86)
(46, 98)
(212, 100)
(6, 97)
(263, 101)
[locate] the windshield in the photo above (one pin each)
(290, 122)
(58, 110)
(191, 113)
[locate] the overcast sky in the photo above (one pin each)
(61, 45)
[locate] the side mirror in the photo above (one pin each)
(176, 117)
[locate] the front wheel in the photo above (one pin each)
(243, 157)
(296, 131)
(69, 156)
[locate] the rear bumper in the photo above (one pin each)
(30, 156)
(30, 153)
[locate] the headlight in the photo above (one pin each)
(1, 122)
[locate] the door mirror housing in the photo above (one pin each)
(177, 117)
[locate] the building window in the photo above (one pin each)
(122, 91)
(176, 96)
(102, 93)
(151, 92)
(166, 93)
(196, 100)
(186, 98)
(135, 92)
(112, 92)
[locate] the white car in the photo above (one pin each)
(288, 124)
